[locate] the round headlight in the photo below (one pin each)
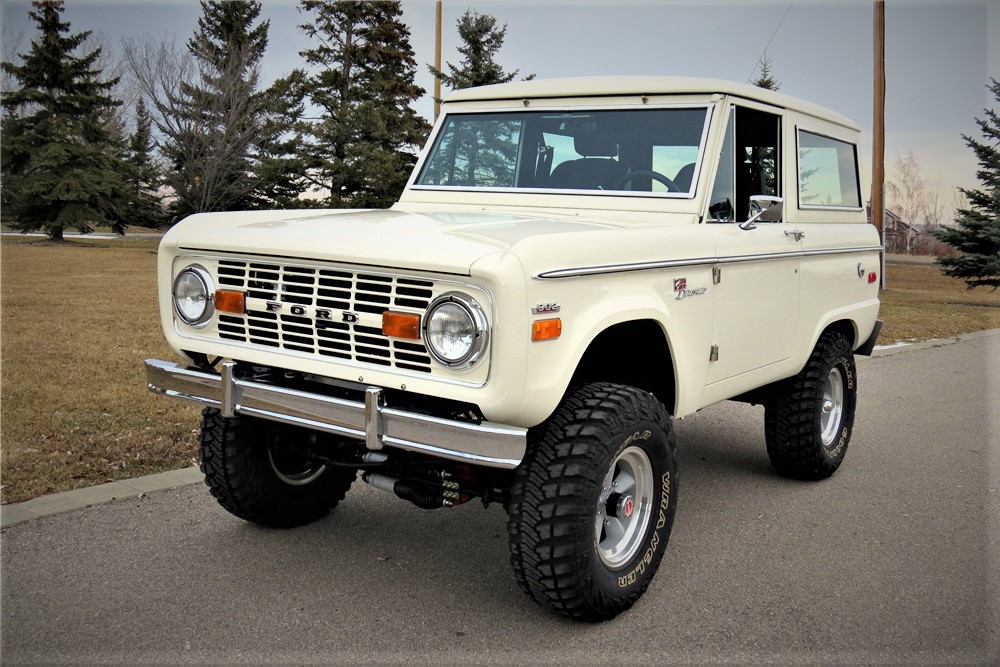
(455, 330)
(193, 295)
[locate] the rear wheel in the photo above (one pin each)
(593, 502)
(258, 471)
(809, 421)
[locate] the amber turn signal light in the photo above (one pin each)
(546, 329)
(230, 301)
(401, 325)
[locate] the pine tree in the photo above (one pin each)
(766, 79)
(481, 41)
(977, 236)
(144, 175)
(61, 167)
(280, 170)
(364, 143)
(210, 129)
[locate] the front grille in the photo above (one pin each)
(313, 303)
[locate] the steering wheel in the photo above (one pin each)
(655, 175)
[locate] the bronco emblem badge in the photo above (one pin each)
(681, 288)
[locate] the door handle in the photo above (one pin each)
(796, 233)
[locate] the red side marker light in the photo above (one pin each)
(230, 301)
(872, 277)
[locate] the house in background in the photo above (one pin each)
(898, 237)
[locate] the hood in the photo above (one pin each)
(430, 241)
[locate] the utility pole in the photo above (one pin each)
(878, 132)
(437, 58)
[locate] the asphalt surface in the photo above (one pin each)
(893, 560)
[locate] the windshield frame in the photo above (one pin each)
(432, 144)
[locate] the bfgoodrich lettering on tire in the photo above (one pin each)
(593, 502)
(809, 421)
(255, 470)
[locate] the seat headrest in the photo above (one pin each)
(595, 144)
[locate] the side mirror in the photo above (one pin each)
(766, 208)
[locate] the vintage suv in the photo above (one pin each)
(573, 264)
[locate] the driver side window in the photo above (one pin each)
(750, 164)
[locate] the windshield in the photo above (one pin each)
(620, 151)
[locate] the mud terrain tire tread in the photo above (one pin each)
(553, 492)
(792, 417)
(239, 475)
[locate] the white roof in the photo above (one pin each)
(641, 85)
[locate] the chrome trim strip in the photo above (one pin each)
(700, 261)
(763, 257)
(623, 268)
(843, 251)
(487, 444)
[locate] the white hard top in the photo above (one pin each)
(595, 86)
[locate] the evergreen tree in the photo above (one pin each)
(61, 167)
(481, 41)
(210, 128)
(280, 171)
(485, 147)
(144, 176)
(977, 236)
(765, 79)
(364, 143)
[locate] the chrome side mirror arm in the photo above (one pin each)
(766, 208)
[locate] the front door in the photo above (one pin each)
(757, 294)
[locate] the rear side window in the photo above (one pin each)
(828, 172)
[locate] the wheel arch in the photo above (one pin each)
(846, 327)
(607, 359)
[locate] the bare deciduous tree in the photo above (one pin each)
(916, 201)
(201, 175)
(12, 43)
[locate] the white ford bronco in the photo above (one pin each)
(573, 264)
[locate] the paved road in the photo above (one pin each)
(894, 560)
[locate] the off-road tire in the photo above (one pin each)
(806, 428)
(556, 544)
(241, 473)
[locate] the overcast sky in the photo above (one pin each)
(939, 55)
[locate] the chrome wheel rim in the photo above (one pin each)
(832, 408)
(624, 507)
(294, 473)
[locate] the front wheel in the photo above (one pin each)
(593, 502)
(258, 471)
(808, 423)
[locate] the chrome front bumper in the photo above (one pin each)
(378, 426)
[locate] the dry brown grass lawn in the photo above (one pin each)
(921, 303)
(79, 318)
(77, 321)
